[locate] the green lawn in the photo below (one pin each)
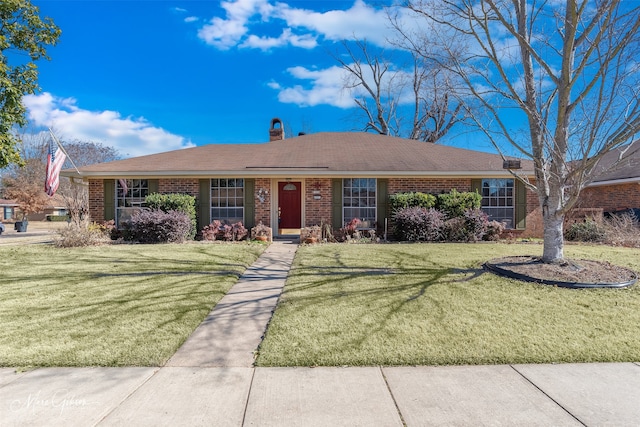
(431, 304)
(110, 305)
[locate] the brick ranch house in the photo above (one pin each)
(617, 185)
(303, 181)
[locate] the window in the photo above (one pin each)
(227, 200)
(359, 200)
(8, 212)
(130, 195)
(498, 200)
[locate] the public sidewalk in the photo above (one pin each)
(210, 381)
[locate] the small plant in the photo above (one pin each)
(261, 232)
(622, 230)
(227, 232)
(494, 232)
(587, 231)
(311, 234)
(211, 231)
(80, 235)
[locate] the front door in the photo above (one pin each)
(290, 205)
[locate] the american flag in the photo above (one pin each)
(55, 160)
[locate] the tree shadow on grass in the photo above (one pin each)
(389, 291)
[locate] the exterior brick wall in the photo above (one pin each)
(317, 211)
(188, 186)
(263, 209)
(533, 227)
(428, 185)
(611, 197)
(96, 200)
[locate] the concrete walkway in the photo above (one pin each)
(210, 382)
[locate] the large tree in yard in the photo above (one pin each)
(559, 82)
(410, 100)
(24, 37)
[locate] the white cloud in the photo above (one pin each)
(191, 19)
(130, 136)
(286, 38)
(300, 27)
(323, 87)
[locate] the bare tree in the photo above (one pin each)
(559, 83)
(390, 96)
(25, 184)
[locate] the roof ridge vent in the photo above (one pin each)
(276, 132)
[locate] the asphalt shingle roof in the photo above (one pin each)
(319, 153)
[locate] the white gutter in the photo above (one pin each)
(615, 182)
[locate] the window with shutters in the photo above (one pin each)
(359, 199)
(498, 200)
(130, 197)
(227, 200)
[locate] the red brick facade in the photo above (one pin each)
(96, 200)
(611, 197)
(263, 209)
(189, 186)
(428, 185)
(318, 199)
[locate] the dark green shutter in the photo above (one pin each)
(521, 205)
(476, 186)
(382, 201)
(153, 185)
(336, 204)
(204, 203)
(249, 203)
(109, 186)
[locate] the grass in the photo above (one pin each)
(121, 305)
(431, 304)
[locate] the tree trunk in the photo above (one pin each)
(553, 251)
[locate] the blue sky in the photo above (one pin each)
(155, 75)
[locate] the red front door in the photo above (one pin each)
(290, 206)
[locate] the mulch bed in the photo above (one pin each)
(570, 273)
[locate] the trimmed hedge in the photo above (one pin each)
(175, 202)
(156, 226)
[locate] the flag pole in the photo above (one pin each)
(63, 150)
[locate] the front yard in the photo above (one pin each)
(431, 304)
(114, 305)
(387, 304)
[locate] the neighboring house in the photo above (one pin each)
(306, 180)
(617, 183)
(8, 210)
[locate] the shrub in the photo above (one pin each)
(622, 230)
(408, 200)
(175, 202)
(453, 230)
(494, 230)
(212, 231)
(80, 235)
(157, 226)
(470, 227)
(454, 204)
(587, 231)
(228, 232)
(57, 218)
(415, 224)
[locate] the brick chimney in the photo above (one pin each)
(276, 132)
